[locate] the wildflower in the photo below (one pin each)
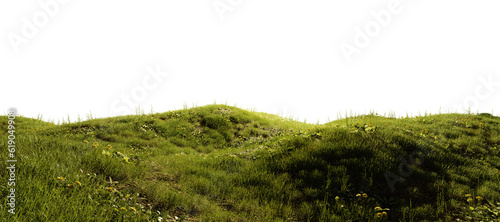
(468, 195)
(379, 215)
(469, 200)
(85, 141)
(110, 189)
(95, 144)
(384, 214)
(69, 185)
(133, 209)
(79, 183)
(378, 208)
(60, 178)
(337, 198)
(108, 147)
(123, 208)
(358, 195)
(479, 198)
(365, 195)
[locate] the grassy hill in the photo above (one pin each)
(221, 163)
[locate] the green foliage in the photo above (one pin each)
(221, 163)
(215, 122)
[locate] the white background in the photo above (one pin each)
(280, 56)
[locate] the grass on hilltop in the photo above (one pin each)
(221, 163)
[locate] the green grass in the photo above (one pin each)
(221, 163)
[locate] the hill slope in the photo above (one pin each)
(221, 163)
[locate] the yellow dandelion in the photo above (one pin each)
(95, 144)
(337, 198)
(108, 147)
(379, 215)
(479, 198)
(60, 178)
(79, 183)
(468, 195)
(123, 208)
(365, 195)
(378, 208)
(384, 214)
(69, 185)
(85, 141)
(469, 200)
(110, 189)
(358, 195)
(133, 209)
